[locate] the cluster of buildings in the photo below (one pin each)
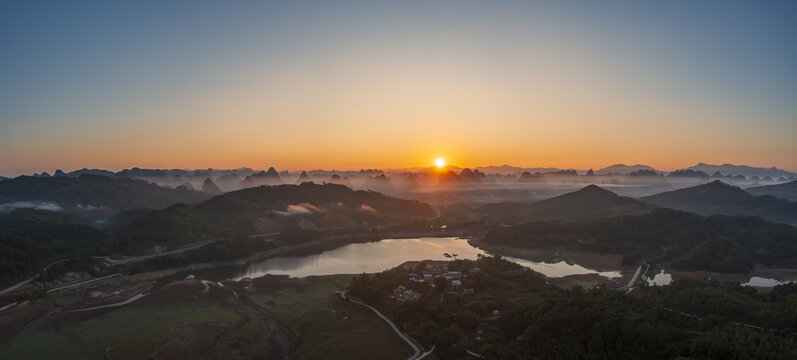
(401, 293)
(453, 278)
(453, 282)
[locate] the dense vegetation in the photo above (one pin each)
(689, 241)
(54, 232)
(32, 238)
(688, 319)
(174, 226)
(18, 257)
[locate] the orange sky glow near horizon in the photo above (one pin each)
(390, 86)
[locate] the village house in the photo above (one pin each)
(456, 285)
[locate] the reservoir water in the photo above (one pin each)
(377, 256)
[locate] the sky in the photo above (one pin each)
(350, 85)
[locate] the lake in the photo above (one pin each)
(377, 256)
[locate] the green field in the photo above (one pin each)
(330, 328)
(132, 332)
(327, 327)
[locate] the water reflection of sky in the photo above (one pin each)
(381, 255)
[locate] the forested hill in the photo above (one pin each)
(720, 198)
(95, 192)
(324, 205)
(589, 202)
(688, 241)
(307, 209)
(30, 238)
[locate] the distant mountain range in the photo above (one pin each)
(724, 170)
(635, 180)
(720, 198)
(508, 169)
(747, 171)
(624, 169)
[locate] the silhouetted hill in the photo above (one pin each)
(688, 173)
(786, 191)
(303, 177)
(744, 170)
(589, 202)
(210, 187)
(229, 181)
(469, 176)
(85, 171)
(319, 206)
(529, 177)
(717, 197)
(91, 191)
(269, 177)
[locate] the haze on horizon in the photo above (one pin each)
(385, 85)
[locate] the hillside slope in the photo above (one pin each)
(786, 191)
(719, 198)
(587, 203)
(94, 191)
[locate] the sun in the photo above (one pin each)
(440, 162)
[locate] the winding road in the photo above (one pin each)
(131, 299)
(21, 283)
(417, 351)
(109, 260)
